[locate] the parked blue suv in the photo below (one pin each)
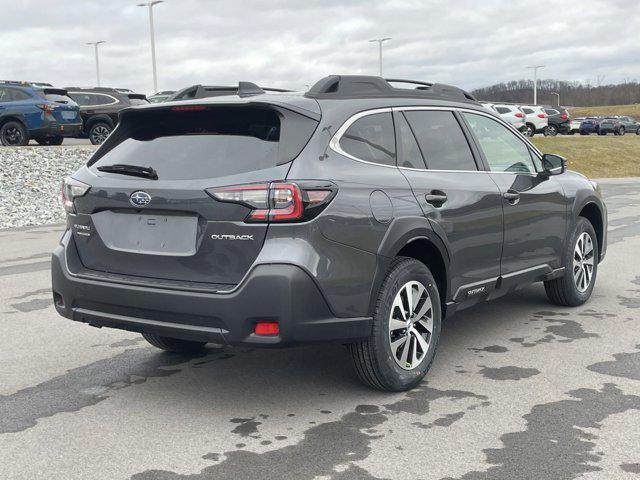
(42, 113)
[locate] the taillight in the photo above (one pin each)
(72, 189)
(564, 116)
(542, 115)
(48, 108)
(278, 201)
(188, 108)
(519, 115)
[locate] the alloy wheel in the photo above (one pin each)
(583, 262)
(12, 136)
(410, 325)
(99, 134)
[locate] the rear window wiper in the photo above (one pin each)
(133, 170)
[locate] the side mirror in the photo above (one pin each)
(553, 164)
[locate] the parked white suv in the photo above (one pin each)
(536, 120)
(511, 114)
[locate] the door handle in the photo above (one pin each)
(436, 198)
(511, 196)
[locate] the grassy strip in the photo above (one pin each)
(630, 110)
(596, 156)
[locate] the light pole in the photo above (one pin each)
(535, 82)
(557, 95)
(95, 47)
(153, 41)
(380, 42)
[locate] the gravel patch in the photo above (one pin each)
(30, 180)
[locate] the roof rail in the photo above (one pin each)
(16, 82)
(364, 86)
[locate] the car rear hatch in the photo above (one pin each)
(62, 108)
(170, 229)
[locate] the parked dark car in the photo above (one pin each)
(100, 107)
(629, 125)
(42, 113)
(559, 121)
(206, 91)
(359, 212)
(611, 125)
(590, 125)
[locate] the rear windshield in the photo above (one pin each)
(138, 101)
(59, 99)
(213, 142)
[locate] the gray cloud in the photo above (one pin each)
(287, 43)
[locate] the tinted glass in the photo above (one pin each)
(503, 150)
(371, 138)
(502, 110)
(410, 155)
(18, 95)
(527, 110)
(212, 143)
(59, 98)
(4, 94)
(441, 140)
(138, 101)
(98, 99)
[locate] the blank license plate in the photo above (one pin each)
(173, 235)
(68, 115)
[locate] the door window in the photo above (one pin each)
(441, 140)
(409, 151)
(503, 150)
(372, 139)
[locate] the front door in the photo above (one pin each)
(462, 203)
(535, 209)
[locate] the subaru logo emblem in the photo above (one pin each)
(140, 199)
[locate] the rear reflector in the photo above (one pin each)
(267, 328)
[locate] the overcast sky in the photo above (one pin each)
(290, 43)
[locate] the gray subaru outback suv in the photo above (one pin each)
(358, 212)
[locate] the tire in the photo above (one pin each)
(99, 132)
(50, 140)
(529, 131)
(173, 344)
(567, 290)
(600, 132)
(14, 134)
(571, 132)
(552, 131)
(621, 131)
(584, 133)
(638, 131)
(375, 360)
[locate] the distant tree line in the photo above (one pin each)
(575, 94)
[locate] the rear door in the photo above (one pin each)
(535, 208)
(461, 202)
(170, 229)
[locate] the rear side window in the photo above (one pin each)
(19, 95)
(441, 140)
(371, 138)
(209, 143)
(503, 150)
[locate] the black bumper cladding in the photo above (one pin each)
(274, 293)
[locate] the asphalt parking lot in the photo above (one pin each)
(520, 389)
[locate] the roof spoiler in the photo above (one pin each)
(363, 86)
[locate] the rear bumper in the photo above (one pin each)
(55, 129)
(275, 292)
